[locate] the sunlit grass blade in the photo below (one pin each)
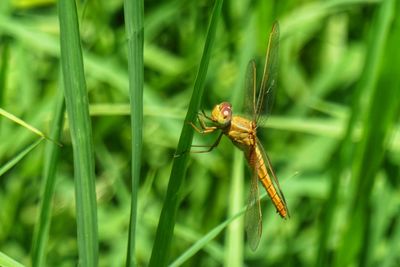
(6, 261)
(49, 176)
(201, 243)
(133, 11)
(77, 106)
(234, 235)
(11, 163)
(205, 239)
(163, 239)
(24, 124)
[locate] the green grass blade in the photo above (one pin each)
(392, 257)
(206, 239)
(162, 243)
(134, 18)
(201, 243)
(377, 126)
(379, 122)
(3, 69)
(6, 261)
(11, 163)
(49, 176)
(390, 76)
(24, 124)
(234, 235)
(77, 105)
(366, 84)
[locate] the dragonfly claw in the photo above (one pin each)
(177, 155)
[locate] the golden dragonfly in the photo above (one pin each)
(243, 133)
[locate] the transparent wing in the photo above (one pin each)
(251, 88)
(253, 217)
(270, 73)
(271, 172)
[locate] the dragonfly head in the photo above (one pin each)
(222, 114)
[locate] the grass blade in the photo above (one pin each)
(368, 79)
(369, 152)
(392, 258)
(6, 261)
(206, 239)
(134, 31)
(19, 157)
(162, 243)
(77, 105)
(24, 124)
(49, 176)
(5, 55)
(234, 235)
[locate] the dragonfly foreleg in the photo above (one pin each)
(205, 115)
(216, 143)
(204, 128)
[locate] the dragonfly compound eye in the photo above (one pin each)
(226, 110)
(222, 114)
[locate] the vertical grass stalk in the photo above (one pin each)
(77, 105)
(3, 69)
(234, 236)
(165, 229)
(49, 175)
(133, 11)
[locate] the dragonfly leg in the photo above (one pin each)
(211, 147)
(216, 143)
(204, 128)
(205, 115)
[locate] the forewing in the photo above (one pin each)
(270, 73)
(251, 88)
(253, 218)
(272, 174)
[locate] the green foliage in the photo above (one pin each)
(332, 135)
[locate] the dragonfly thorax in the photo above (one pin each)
(222, 114)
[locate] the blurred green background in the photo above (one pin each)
(332, 134)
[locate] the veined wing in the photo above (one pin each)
(253, 217)
(270, 73)
(250, 107)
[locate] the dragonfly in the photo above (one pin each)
(243, 133)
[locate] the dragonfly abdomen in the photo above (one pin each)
(266, 181)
